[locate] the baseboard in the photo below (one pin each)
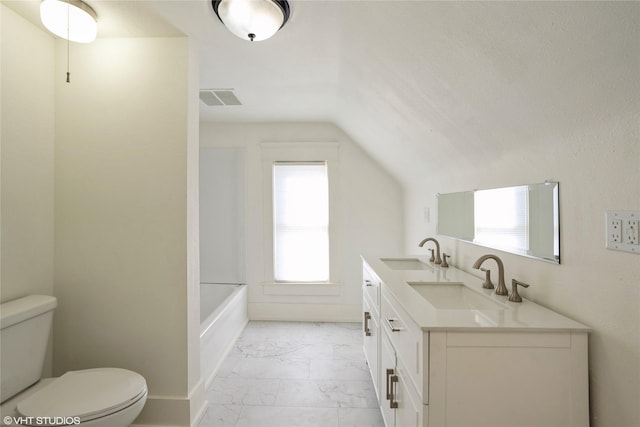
(198, 403)
(305, 312)
(174, 411)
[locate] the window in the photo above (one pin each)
(301, 227)
(301, 222)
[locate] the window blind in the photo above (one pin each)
(301, 221)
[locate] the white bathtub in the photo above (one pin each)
(223, 316)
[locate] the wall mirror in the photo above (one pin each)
(523, 220)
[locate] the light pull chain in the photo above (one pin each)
(68, 73)
(68, 43)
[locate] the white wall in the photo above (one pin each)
(27, 158)
(598, 168)
(222, 213)
(370, 216)
(126, 217)
(27, 144)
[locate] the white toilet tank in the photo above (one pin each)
(25, 326)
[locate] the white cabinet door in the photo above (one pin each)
(371, 339)
(387, 369)
(409, 404)
(506, 379)
(399, 401)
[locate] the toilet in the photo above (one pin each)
(101, 397)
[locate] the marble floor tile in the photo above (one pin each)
(279, 416)
(348, 351)
(360, 417)
(245, 347)
(259, 367)
(221, 416)
(288, 350)
(339, 370)
(338, 333)
(227, 367)
(289, 374)
(242, 391)
(326, 393)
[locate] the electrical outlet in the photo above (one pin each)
(615, 230)
(630, 232)
(622, 231)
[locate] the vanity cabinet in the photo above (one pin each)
(429, 372)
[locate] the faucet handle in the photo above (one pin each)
(444, 260)
(487, 279)
(433, 258)
(515, 296)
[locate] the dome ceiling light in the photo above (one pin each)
(73, 20)
(253, 20)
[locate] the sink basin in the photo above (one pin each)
(454, 296)
(405, 264)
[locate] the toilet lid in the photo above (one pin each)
(87, 394)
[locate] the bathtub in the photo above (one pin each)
(223, 316)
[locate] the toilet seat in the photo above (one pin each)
(88, 394)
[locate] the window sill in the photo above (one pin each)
(301, 288)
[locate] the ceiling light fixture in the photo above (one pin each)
(73, 20)
(253, 20)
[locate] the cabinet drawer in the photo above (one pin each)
(406, 338)
(371, 286)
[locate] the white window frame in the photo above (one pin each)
(273, 152)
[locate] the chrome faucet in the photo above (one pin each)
(502, 288)
(431, 239)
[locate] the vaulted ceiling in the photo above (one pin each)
(418, 84)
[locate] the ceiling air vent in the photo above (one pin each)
(213, 97)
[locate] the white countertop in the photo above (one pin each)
(506, 316)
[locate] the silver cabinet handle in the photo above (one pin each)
(392, 402)
(367, 317)
(388, 383)
(390, 325)
(368, 283)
